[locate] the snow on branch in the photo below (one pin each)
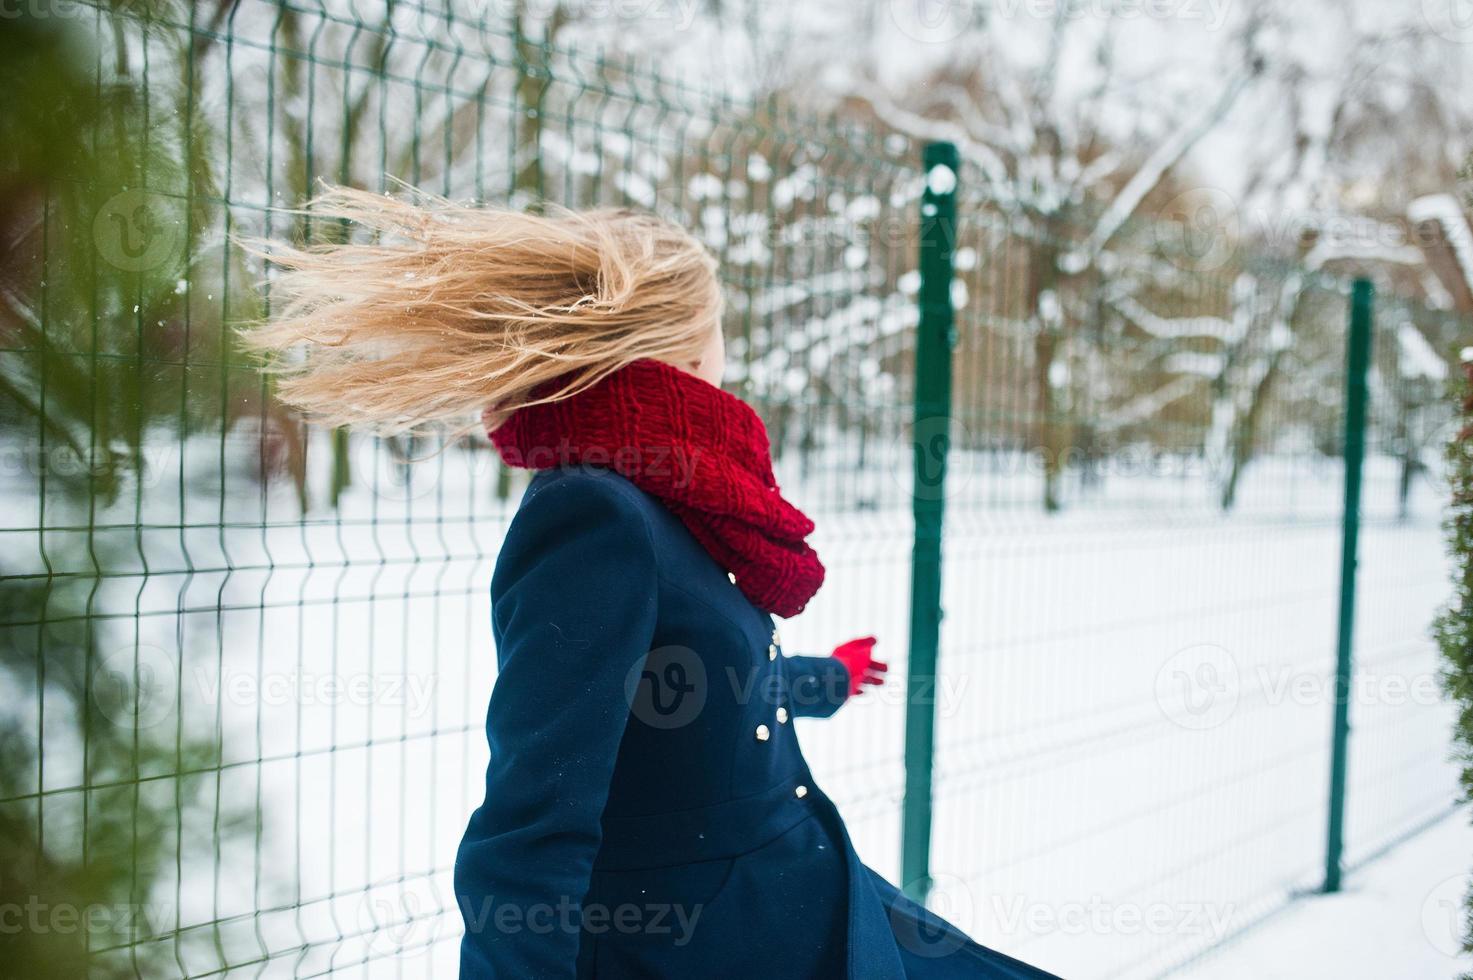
(1145, 407)
(1176, 328)
(920, 127)
(1418, 359)
(1445, 210)
(1166, 155)
(1364, 240)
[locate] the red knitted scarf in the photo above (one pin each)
(702, 451)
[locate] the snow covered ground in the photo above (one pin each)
(1134, 711)
(1395, 920)
(1133, 716)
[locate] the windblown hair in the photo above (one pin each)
(442, 311)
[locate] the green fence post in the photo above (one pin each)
(1357, 361)
(931, 434)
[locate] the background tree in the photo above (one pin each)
(95, 242)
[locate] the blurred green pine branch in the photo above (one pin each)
(1453, 628)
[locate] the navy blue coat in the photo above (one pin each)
(648, 812)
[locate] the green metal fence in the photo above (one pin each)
(1087, 493)
(1145, 516)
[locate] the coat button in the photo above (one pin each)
(771, 652)
(763, 733)
(775, 638)
(800, 792)
(782, 716)
(731, 577)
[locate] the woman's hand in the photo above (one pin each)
(858, 658)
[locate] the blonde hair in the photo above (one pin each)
(449, 310)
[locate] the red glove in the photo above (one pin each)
(857, 656)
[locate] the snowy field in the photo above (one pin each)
(1399, 917)
(1134, 712)
(1133, 717)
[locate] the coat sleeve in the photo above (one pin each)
(817, 686)
(573, 613)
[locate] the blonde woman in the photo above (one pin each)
(648, 812)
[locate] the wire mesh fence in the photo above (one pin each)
(248, 662)
(1145, 521)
